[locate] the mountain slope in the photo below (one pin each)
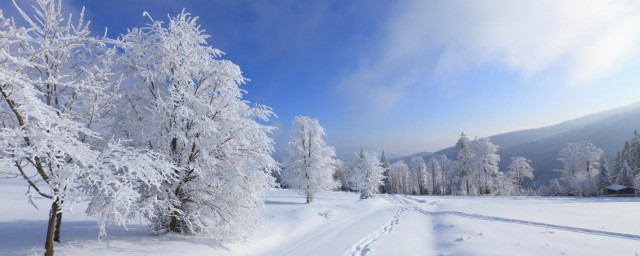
(607, 130)
(407, 159)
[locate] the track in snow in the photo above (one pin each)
(361, 248)
(404, 201)
(303, 243)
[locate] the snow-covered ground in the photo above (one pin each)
(340, 224)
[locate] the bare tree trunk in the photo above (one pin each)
(433, 181)
(56, 232)
(173, 223)
(467, 182)
(48, 245)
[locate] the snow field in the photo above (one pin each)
(338, 223)
(532, 226)
(617, 215)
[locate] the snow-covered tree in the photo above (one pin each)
(581, 163)
(604, 176)
(400, 179)
(57, 86)
(553, 188)
(420, 176)
(310, 164)
(484, 164)
(464, 158)
(385, 164)
(626, 174)
(519, 169)
(627, 165)
(449, 178)
(478, 163)
(504, 184)
(341, 175)
(435, 170)
(366, 173)
(189, 102)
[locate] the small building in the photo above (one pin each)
(620, 190)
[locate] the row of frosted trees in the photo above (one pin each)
(474, 171)
(151, 124)
(311, 168)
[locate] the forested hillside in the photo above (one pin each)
(607, 130)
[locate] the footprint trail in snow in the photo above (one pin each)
(362, 247)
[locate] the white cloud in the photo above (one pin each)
(573, 41)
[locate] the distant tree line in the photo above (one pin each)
(474, 171)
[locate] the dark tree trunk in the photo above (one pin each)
(48, 245)
(56, 232)
(467, 182)
(173, 224)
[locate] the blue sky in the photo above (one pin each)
(409, 76)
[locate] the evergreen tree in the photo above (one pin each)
(617, 165)
(626, 168)
(604, 177)
(384, 188)
(625, 176)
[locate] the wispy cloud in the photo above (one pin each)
(575, 42)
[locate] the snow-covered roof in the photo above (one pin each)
(616, 187)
